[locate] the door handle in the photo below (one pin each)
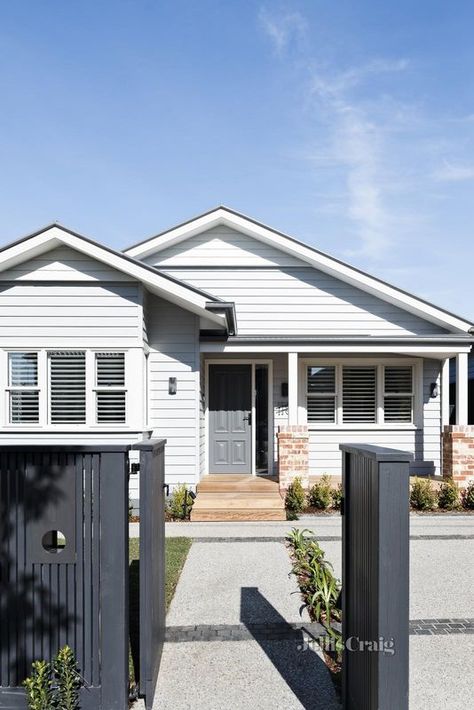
(248, 418)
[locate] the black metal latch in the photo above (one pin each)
(134, 467)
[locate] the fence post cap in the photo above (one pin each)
(377, 453)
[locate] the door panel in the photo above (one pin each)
(230, 404)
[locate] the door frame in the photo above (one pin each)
(253, 362)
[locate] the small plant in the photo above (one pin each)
(337, 495)
(320, 494)
(54, 686)
(295, 498)
(68, 680)
(468, 497)
(448, 495)
(39, 687)
(422, 496)
(130, 509)
(180, 502)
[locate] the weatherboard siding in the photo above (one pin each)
(173, 339)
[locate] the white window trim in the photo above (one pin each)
(380, 425)
(133, 394)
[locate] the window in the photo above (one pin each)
(398, 394)
(110, 381)
(68, 387)
(322, 394)
(360, 394)
(24, 392)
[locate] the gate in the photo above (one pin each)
(64, 567)
(152, 564)
(375, 535)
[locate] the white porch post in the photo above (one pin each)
(445, 403)
(292, 388)
(461, 388)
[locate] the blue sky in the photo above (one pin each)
(348, 124)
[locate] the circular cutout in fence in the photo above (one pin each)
(53, 541)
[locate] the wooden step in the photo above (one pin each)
(225, 501)
(228, 483)
(202, 515)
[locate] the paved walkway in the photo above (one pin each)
(258, 660)
(234, 638)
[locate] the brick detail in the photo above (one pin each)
(293, 458)
(458, 453)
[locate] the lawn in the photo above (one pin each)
(176, 551)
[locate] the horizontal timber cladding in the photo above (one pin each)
(173, 338)
(64, 567)
(70, 314)
(301, 301)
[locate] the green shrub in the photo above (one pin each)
(54, 686)
(320, 494)
(422, 496)
(295, 499)
(180, 502)
(448, 495)
(337, 495)
(468, 497)
(39, 687)
(68, 680)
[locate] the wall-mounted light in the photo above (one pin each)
(172, 385)
(434, 390)
(284, 389)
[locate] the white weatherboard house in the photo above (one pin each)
(251, 353)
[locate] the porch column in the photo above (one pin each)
(293, 440)
(445, 402)
(461, 388)
(292, 388)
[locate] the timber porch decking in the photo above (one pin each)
(223, 497)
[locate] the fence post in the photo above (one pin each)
(375, 609)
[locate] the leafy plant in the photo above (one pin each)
(320, 494)
(448, 495)
(39, 687)
(68, 680)
(295, 498)
(422, 496)
(180, 502)
(468, 496)
(337, 495)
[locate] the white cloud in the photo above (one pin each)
(450, 172)
(282, 29)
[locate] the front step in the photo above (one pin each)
(234, 497)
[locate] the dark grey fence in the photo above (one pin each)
(375, 615)
(152, 564)
(64, 567)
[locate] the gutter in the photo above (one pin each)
(226, 308)
(451, 339)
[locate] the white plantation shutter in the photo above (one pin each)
(67, 387)
(359, 394)
(321, 394)
(23, 374)
(398, 394)
(110, 380)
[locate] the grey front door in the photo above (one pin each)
(230, 405)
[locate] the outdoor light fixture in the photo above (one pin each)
(172, 385)
(434, 390)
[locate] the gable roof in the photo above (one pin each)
(164, 285)
(318, 259)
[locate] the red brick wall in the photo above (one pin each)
(293, 460)
(458, 453)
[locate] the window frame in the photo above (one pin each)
(380, 364)
(11, 388)
(100, 389)
(132, 404)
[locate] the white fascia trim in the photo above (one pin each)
(155, 282)
(321, 261)
(428, 351)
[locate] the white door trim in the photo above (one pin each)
(253, 362)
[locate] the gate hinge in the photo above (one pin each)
(134, 467)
